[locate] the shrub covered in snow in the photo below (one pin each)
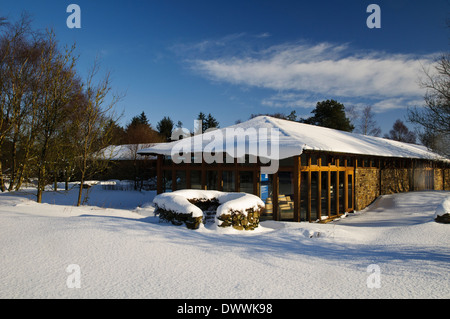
(191, 207)
(442, 214)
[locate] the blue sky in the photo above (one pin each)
(234, 58)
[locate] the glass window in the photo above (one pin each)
(246, 182)
(333, 181)
(349, 191)
(341, 192)
(313, 159)
(228, 181)
(324, 194)
(304, 196)
(314, 195)
(181, 179)
(349, 161)
(211, 180)
(167, 160)
(304, 160)
(266, 194)
(286, 195)
(366, 162)
(324, 160)
(196, 179)
(167, 180)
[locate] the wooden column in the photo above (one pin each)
(297, 181)
(276, 215)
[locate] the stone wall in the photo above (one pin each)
(446, 179)
(367, 186)
(438, 179)
(396, 180)
(373, 182)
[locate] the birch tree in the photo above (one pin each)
(93, 128)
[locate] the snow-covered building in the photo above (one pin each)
(302, 172)
(124, 163)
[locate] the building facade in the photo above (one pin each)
(324, 181)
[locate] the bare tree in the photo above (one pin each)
(93, 128)
(58, 85)
(367, 124)
(434, 117)
(20, 50)
(401, 133)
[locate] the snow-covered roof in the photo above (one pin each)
(293, 139)
(125, 152)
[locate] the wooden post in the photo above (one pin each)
(308, 213)
(297, 178)
(276, 215)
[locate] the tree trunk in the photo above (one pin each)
(80, 192)
(2, 182)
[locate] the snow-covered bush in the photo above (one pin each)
(238, 210)
(442, 214)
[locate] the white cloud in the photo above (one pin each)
(323, 69)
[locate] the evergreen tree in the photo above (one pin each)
(330, 113)
(207, 121)
(211, 122)
(139, 131)
(165, 127)
(138, 120)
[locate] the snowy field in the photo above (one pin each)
(115, 248)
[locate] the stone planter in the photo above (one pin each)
(193, 207)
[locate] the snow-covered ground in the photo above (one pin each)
(115, 248)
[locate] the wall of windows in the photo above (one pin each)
(309, 187)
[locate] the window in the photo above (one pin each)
(349, 161)
(196, 179)
(246, 182)
(324, 160)
(341, 192)
(167, 160)
(304, 160)
(304, 196)
(314, 195)
(211, 180)
(181, 179)
(324, 194)
(266, 194)
(286, 195)
(333, 180)
(350, 191)
(167, 181)
(228, 181)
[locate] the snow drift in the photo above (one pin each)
(442, 213)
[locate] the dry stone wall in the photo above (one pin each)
(367, 186)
